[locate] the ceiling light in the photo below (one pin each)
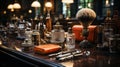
(35, 4)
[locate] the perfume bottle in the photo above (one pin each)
(70, 39)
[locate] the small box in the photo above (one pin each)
(46, 48)
(77, 29)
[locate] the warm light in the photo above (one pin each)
(48, 4)
(4, 12)
(16, 6)
(67, 1)
(89, 4)
(12, 10)
(107, 3)
(36, 4)
(0, 42)
(10, 6)
(30, 11)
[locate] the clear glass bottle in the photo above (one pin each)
(70, 39)
(57, 34)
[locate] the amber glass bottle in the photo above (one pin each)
(48, 23)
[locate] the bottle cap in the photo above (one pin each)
(69, 30)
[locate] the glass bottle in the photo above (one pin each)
(5, 38)
(28, 35)
(100, 36)
(48, 23)
(70, 39)
(36, 37)
(57, 34)
(41, 30)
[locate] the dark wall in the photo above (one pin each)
(74, 8)
(26, 5)
(58, 7)
(117, 5)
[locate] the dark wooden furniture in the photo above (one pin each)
(9, 56)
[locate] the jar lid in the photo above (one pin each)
(57, 25)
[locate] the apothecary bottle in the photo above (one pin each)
(57, 34)
(36, 37)
(70, 39)
(28, 35)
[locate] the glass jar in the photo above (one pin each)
(57, 34)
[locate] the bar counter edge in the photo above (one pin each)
(23, 58)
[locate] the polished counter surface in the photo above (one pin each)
(97, 58)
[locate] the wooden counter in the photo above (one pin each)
(97, 57)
